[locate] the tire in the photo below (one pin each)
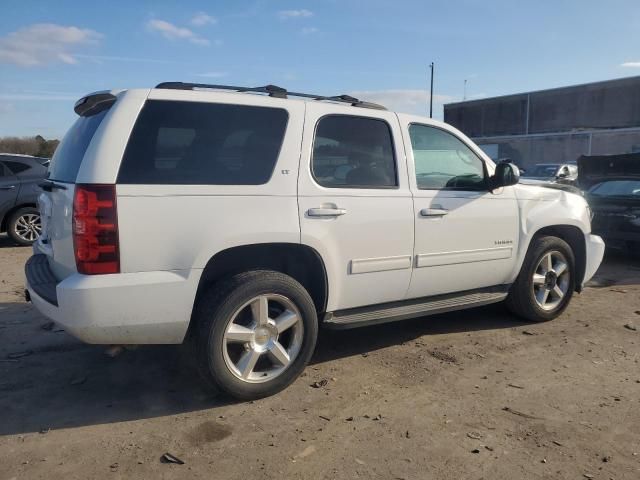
(24, 226)
(527, 294)
(230, 336)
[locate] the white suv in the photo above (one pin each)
(243, 219)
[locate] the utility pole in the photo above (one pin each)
(464, 95)
(431, 94)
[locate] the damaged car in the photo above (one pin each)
(612, 188)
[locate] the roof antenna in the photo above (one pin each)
(432, 66)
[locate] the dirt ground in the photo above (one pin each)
(477, 394)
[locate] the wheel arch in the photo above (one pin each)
(574, 236)
(300, 262)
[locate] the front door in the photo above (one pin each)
(466, 235)
(355, 205)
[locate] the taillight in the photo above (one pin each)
(95, 229)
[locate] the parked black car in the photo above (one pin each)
(612, 188)
(19, 191)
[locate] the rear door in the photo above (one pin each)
(355, 205)
(8, 189)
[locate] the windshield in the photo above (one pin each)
(617, 188)
(542, 171)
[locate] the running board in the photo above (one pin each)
(394, 311)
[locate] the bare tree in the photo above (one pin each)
(37, 146)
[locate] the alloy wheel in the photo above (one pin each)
(28, 227)
(551, 280)
(263, 338)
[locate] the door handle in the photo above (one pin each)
(326, 212)
(8, 187)
(433, 212)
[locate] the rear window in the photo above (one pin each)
(190, 143)
(69, 154)
(16, 167)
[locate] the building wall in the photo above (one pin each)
(557, 125)
(528, 150)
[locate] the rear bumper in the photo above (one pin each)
(594, 253)
(125, 308)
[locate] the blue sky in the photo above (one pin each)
(51, 53)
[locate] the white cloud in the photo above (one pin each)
(407, 101)
(112, 58)
(212, 74)
(173, 32)
(286, 14)
(630, 64)
(309, 30)
(201, 19)
(44, 43)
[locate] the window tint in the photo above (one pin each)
(443, 161)
(353, 152)
(17, 167)
(67, 158)
(189, 143)
(4, 171)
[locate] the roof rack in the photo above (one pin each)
(272, 91)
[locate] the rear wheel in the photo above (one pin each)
(256, 333)
(24, 226)
(546, 281)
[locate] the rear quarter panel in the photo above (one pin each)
(179, 227)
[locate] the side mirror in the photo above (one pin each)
(506, 174)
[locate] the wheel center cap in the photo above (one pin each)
(262, 336)
(550, 280)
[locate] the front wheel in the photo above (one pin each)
(546, 281)
(256, 332)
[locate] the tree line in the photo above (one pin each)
(37, 146)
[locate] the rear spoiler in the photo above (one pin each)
(94, 103)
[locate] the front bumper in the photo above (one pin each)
(124, 308)
(594, 252)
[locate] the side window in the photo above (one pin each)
(171, 145)
(193, 143)
(353, 152)
(17, 167)
(4, 171)
(444, 162)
